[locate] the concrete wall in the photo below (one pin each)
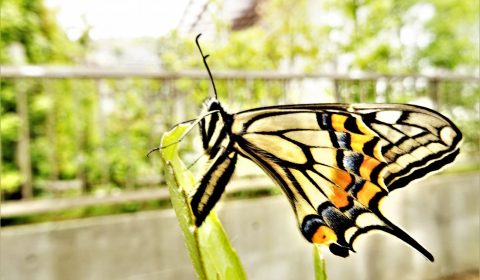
(442, 213)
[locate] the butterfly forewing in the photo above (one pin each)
(352, 156)
(334, 162)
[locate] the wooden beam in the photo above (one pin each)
(81, 72)
(39, 206)
(23, 145)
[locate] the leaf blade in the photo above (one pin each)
(210, 250)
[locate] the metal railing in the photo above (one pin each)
(146, 102)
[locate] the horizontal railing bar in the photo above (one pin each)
(83, 72)
(39, 206)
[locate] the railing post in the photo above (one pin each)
(102, 153)
(284, 90)
(362, 88)
(249, 86)
(51, 135)
(179, 112)
(23, 145)
(336, 90)
(433, 92)
(79, 134)
(381, 89)
(230, 89)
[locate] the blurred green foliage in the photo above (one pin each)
(33, 28)
(29, 34)
(384, 36)
(98, 132)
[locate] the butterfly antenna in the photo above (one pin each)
(152, 150)
(194, 162)
(192, 125)
(204, 57)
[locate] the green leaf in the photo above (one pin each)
(210, 250)
(319, 264)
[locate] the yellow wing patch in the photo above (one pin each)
(338, 122)
(312, 138)
(275, 145)
(367, 192)
(305, 121)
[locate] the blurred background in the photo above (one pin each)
(89, 87)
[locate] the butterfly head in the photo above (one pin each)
(212, 104)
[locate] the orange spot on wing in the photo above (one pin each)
(367, 167)
(367, 192)
(341, 178)
(339, 198)
(324, 235)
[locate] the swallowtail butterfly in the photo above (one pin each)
(334, 162)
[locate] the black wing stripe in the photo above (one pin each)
(419, 173)
(324, 121)
(351, 125)
(298, 188)
(340, 157)
(427, 164)
(203, 134)
(391, 228)
(369, 147)
(217, 145)
(212, 125)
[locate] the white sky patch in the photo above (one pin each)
(413, 33)
(118, 18)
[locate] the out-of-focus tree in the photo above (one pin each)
(29, 34)
(453, 32)
(407, 36)
(384, 36)
(69, 140)
(29, 25)
(70, 137)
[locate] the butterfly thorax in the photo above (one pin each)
(214, 127)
